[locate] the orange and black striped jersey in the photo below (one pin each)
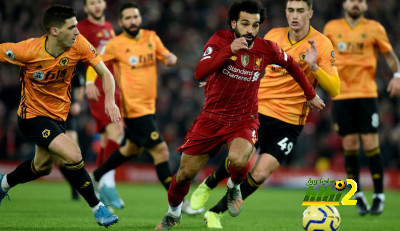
(356, 55)
(280, 96)
(135, 70)
(46, 80)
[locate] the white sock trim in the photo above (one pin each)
(96, 207)
(232, 185)
(379, 195)
(120, 139)
(4, 184)
(108, 179)
(175, 211)
(359, 194)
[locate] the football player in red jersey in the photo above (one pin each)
(98, 31)
(233, 61)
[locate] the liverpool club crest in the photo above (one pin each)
(258, 63)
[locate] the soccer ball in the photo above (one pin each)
(321, 217)
(340, 185)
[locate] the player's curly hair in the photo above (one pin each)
(126, 5)
(248, 6)
(309, 2)
(56, 15)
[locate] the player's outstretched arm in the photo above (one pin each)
(287, 62)
(394, 64)
(316, 102)
(312, 56)
(330, 83)
(109, 88)
(170, 59)
(92, 92)
(14, 53)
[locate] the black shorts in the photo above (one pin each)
(143, 131)
(72, 123)
(276, 137)
(41, 130)
(355, 116)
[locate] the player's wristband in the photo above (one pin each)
(396, 75)
(89, 82)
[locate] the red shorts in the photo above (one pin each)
(97, 109)
(207, 137)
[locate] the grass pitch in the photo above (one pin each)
(47, 206)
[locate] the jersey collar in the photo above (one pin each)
(352, 28)
(45, 37)
(301, 40)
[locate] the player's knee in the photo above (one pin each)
(131, 149)
(184, 175)
(265, 166)
(160, 153)
(117, 135)
(370, 146)
(44, 170)
(238, 164)
(258, 176)
(74, 155)
(370, 142)
(238, 161)
(261, 175)
(351, 143)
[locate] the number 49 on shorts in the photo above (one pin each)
(285, 146)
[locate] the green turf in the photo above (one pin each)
(47, 206)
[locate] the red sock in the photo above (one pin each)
(239, 175)
(99, 159)
(111, 146)
(177, 192)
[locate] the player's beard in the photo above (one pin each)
(131, 33)
(95, 17)
(249, 42)
(355, 14)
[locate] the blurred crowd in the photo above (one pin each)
(184, 26)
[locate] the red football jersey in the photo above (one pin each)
(234, 79)
(98, 36)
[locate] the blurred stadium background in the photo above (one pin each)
(184, 26)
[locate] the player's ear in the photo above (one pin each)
(311, 13)
(233, 24)
(53, 31)
(119, 23)
(366, 5)
(85, 9)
